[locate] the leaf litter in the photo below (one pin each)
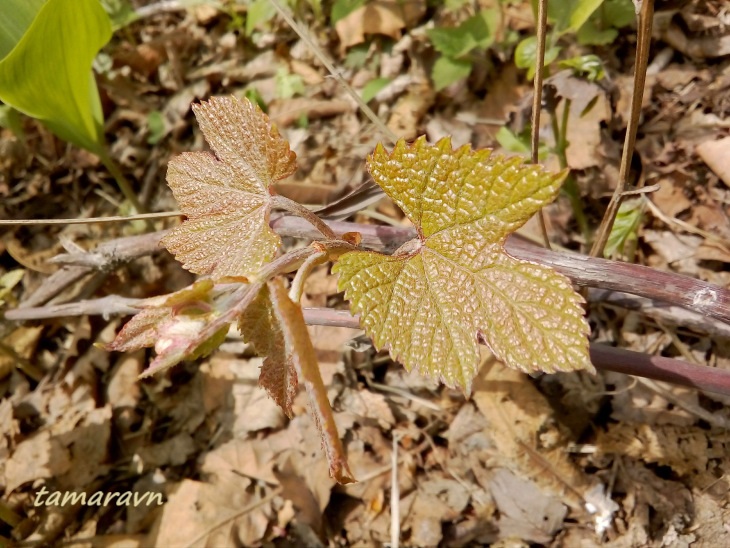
(663, 468)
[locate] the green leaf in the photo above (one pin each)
(259, 12)
(519, 143)
(582, 10)
(601, 27)
(15, 18)
(454, 283)
(155, 126)
(526, 55)
(343, 8)
(47, 75)
(447, 71)
(227, 197)
(569, 15)
(618, 13)
(590, 35)
(357, 56)
(287, 83)
(371, 89)
(476, 32)
(10, 119)
(451, 42)
(482, 27)
(121, 12)
(625, 227)
(589, 66)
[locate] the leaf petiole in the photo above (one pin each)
(298, 209)
(297, 285)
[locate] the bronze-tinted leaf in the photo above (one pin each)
(299, 348)
(454, 283)
(227, 197)
(260, 327)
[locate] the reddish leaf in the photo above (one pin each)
(289, 317)
(260, 326)
(175, 325)
(227, 197)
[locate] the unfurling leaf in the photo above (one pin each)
(175, 325)
(227, 197)
(260, 327)
(291, 344)
(624, 229)
(454, 283)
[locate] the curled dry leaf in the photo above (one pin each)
(454, 283)
(227, 197)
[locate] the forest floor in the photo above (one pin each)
(556, 460)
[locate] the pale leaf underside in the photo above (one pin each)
(456, 284)
(226, 197)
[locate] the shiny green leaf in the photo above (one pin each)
(454, 284)
(625, 227)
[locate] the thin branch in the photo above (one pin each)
(299, 210)
(696, 295)
(646, 18)
(675, 289)
(537, 100)
(607, 358)
(604, 357)
(91, 220)
(114, 305)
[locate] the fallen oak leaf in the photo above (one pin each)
(227, 198)
(434, 298)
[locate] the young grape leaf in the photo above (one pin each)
(290, 342)
(454, 283)
(227, 197)
(173, 325)
(260, 327)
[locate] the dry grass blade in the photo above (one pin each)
(646, 18)
(329, 65)
(537, 100)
